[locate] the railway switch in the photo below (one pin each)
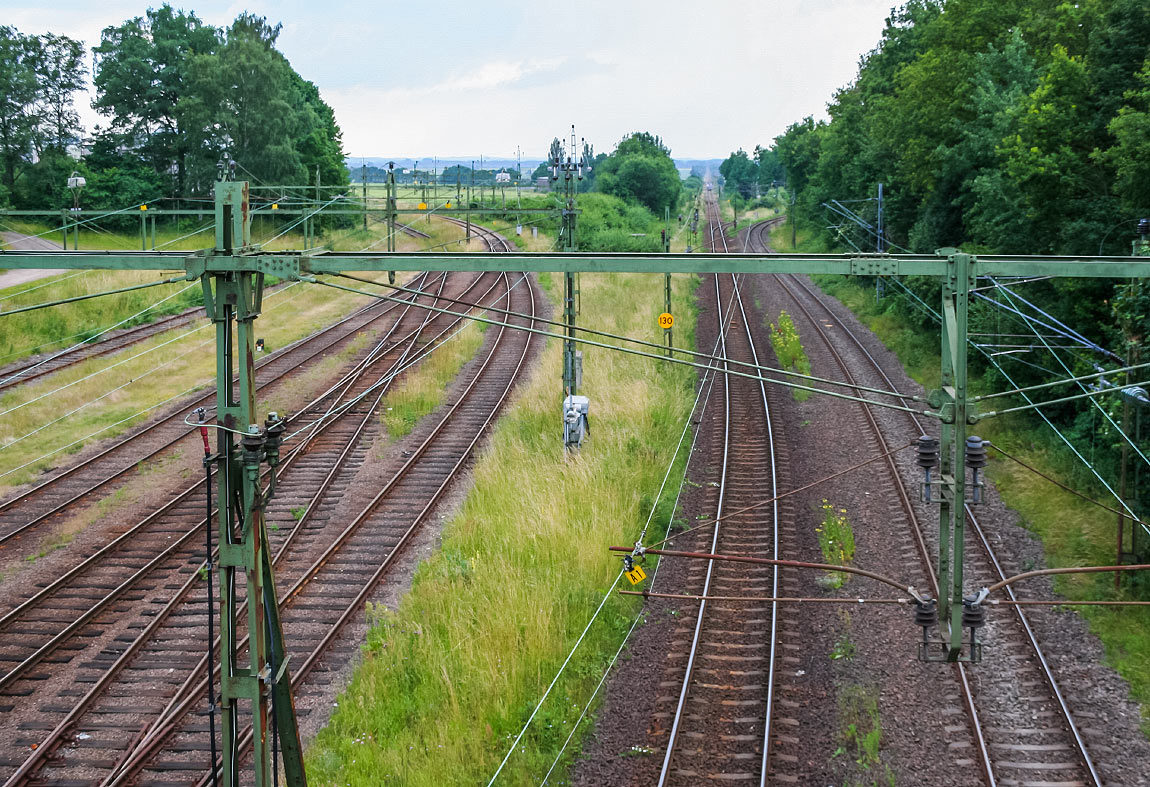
(576, 425)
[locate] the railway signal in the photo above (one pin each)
(232, 277)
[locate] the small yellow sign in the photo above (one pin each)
(448, 206)
(636, 575)
(143, 207)
(666, 320)
(423, 206)
(275, 206)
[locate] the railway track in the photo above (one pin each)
(63, 491)
(33, 368)
(719, 721)
(495, 242)
(323, 468)
(1023, 731)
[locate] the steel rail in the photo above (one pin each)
(193, 686)
(181, 414)
(292, 454)
(771, 642)
(136, 761)
(1023, 620)
(43, 749)
(1046, 671)
(900, 489)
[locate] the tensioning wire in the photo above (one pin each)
(103, 331)
(1085, 395)
(590, 343)
(1066, 441)
(339, 410)
(606, 597)
(79, 441)
(51, 283)
(146, 410)
(644, 343)
(138, 355)
(1013, 296)
(1089, 395)
(62, 301)
(103, 396)
(121, 362)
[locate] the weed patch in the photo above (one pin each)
(788, 348)
(837, 541)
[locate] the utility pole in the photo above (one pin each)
(391, 207)
(792, 218)
(668, 331)
(469, 191)
(363, 173)
(244, 553)
(880, 241)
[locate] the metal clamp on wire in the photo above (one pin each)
(274, 428)
(640, 552)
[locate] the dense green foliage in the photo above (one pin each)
(750, 176)
(178, 96)
(38, 75)
(640, 170)
(1012, 126)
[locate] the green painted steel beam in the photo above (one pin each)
(290, 264)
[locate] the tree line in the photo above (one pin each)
(1000, 127)
(176, 96)
(1008, 126)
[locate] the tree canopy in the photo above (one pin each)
(640, 169)
(176, 94)
(1004, 126)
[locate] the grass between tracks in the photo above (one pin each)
(425, 388)
(1073, 532)
(449, 678)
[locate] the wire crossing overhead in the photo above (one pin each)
(232, 275)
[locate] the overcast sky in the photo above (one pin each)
(450, 78)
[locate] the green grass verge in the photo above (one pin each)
(448, 679)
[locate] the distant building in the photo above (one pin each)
(543, 183)
(502, 177)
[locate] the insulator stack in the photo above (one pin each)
(926, 616)
(976, 460)
(927, 459)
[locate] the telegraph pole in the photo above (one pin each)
(668, 331)
(363, 173)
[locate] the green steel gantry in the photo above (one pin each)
(232, 276)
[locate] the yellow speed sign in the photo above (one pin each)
(666, 320)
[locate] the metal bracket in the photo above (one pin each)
(874, 266)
